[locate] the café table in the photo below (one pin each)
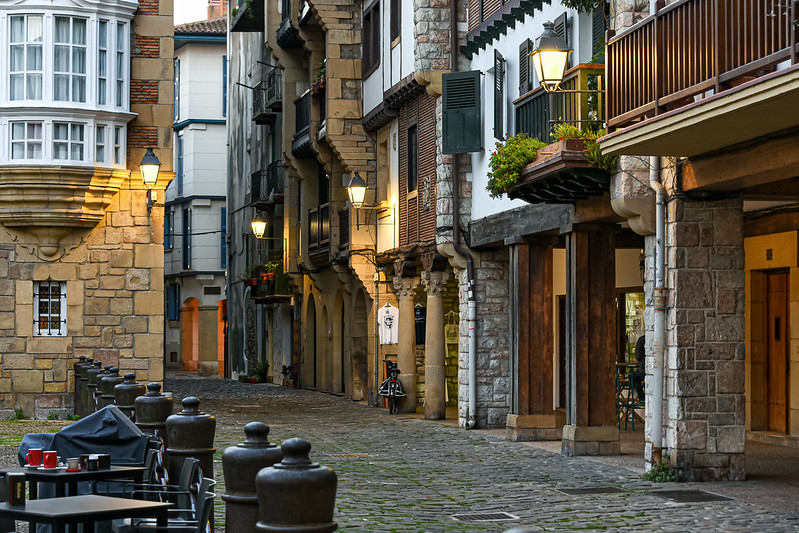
(62, 479)
(86, 510)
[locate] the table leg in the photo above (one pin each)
(33, 490)
(161, 518)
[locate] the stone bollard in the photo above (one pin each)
(77, 369)
(98, 392)
(296, 495)
(240, 465)
(91, 386)
(152, 410)
(191, 434)
(107, 386)
(84, 380)
(125, 395)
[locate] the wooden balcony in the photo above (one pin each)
(701, 75)
(267, 98)
(561, 173)
(319, 232)
(538, 111)
(266, 187)
(301, 144)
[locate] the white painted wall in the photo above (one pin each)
(201, 80)
(531, 27)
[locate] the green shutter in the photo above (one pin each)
(462, 121)
(525, 79)
(499, 95)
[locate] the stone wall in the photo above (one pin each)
(112, 268)
(493, 351)
(705, 336)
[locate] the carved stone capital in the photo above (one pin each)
(433, 261)
(405, 287)
(435, 282)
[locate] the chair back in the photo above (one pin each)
(205, 505)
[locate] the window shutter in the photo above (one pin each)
(525, 84)
(598, 28)
(499, 95)
(562, 29)
(462, 121)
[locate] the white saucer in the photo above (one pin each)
(33, 466)
(54, 469)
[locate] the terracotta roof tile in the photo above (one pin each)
(217, 26)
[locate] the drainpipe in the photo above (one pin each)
(658, 343)
(471, 422)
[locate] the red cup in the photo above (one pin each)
(34, 457)
(50, 459)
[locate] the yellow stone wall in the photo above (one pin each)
(114, 269)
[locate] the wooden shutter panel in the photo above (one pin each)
(562, 29)
(525, 83)
(462, 119)
(499, 95)
(598, 28)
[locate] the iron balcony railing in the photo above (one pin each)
(584, 107)
(693, 48)
(267, 185)
(267, 99)
(319, 228)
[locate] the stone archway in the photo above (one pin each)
(308, 370)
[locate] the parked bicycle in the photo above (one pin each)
(391, 388)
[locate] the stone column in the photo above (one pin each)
(435, 384)
(406, 357)
(591, 426)
(208, 358)
(705, 334)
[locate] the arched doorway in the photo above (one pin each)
(324, 348)
(190, 335)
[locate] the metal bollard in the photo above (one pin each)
(152, 410)
(78, 367)
(125, 395)
(107, 386)
(98, 392)
(296, 495)
(91, 386)
(240, 465)
(84, 380)
(191, 434)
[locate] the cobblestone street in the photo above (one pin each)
(416, 475)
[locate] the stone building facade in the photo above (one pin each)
(81, 254)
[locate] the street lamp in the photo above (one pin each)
(258, 227)
(149, 167)
(549, 58)
(356, 190)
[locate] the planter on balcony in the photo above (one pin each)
(319, 85)
(249, 17)
(560, 174)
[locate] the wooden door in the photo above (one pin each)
(777, 341)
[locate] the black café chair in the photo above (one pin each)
(192, 520)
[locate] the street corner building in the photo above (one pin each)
(86, 90)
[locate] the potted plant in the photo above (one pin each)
(591, 148)
(250, 277)
(509, 158)
(319, 83)
(287, 371)
(271, 269)
(259, 373)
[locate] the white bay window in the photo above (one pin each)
(69, 60)
(25, 72)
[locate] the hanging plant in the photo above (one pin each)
(509, 158)
(583, 6)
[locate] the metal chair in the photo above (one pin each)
(193, 520)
